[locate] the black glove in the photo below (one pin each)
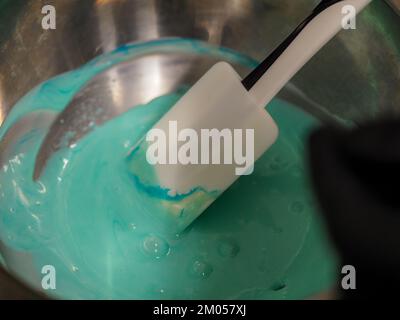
(356, 176)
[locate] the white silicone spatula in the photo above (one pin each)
(194, 171)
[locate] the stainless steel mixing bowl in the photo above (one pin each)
(356, 76)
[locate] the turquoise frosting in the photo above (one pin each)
(91, 219)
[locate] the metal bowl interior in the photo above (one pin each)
(357, 73)
(355, 77)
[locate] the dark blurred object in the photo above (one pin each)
(356, 174)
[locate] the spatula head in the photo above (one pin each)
(206, 141)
